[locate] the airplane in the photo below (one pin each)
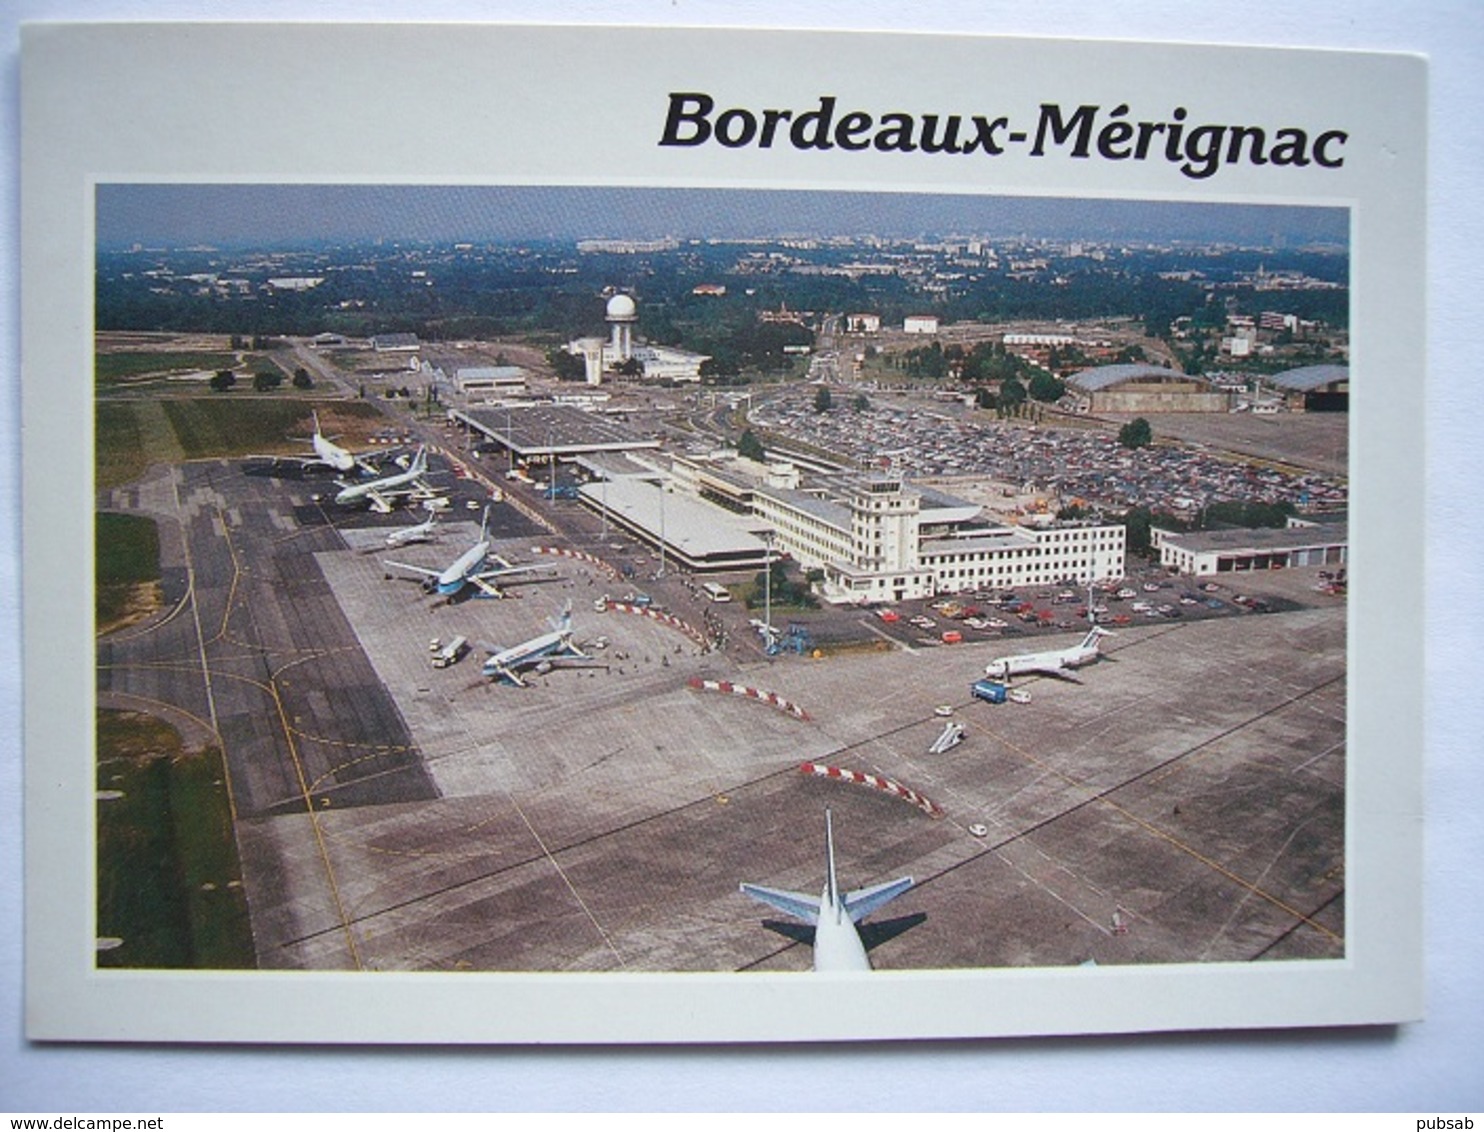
(541, 653)
(326, 454)
(381, 492)
(1054, 662)
(837, 942)
(467, 568)
(422, 532)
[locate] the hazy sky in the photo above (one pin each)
(180, 215)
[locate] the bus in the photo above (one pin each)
(716, 592)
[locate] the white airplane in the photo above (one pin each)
(1055, 662)
(468, 568)
(326, 454)
(421, 532)
(541, 653)
(381, 492)
(837, 943)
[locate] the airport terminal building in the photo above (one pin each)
(875, 538)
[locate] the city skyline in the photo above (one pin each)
(280, 216)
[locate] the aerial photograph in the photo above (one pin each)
(622, 579)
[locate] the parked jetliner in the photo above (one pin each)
(468, 569)
(837, 943)
(326, 453)
(1056, 662)
(421, 532)
(381, 492)
(541, 653)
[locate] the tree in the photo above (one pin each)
(984, 398)
(630, 367)
(861, 404)
(263, 381)
(568, 367)
(1012, 393)
(1044, 387)
(1137, 523)
(1136, 434)
(223, 380)
(302, 379)
(822, 400)
(751, 447)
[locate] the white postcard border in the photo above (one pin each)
(145, 133)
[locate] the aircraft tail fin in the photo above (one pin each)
(1094, 636)
(831, 883)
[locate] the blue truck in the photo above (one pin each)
(990, 691)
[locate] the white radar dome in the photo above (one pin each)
(621, 306)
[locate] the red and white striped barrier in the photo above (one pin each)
(580, 555)
(772, 699)
(885, 785)
(653, 615)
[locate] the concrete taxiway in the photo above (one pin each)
(1183, 803)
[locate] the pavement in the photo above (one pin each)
(1184, 802)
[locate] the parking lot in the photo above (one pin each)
(1085, 462)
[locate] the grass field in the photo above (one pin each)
(126, 557)
(169, 883)
(119, 455)
(133, 434)
(125, 365)
(229, 427)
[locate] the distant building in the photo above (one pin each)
(1039, 339)
(1314, 389)
(383, 343)
(658, 363)
(666, 363)
(488, 381)
(1139, 388)
(920, 324)
(296, 282)
(863, 323)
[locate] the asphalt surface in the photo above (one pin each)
(1183, 803)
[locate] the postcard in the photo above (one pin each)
(614, 535)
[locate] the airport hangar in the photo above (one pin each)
(1201, 553)
(1314, 389)
(1139, 388)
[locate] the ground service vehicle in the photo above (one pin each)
(990, 691)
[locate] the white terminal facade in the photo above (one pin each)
(879, 539)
